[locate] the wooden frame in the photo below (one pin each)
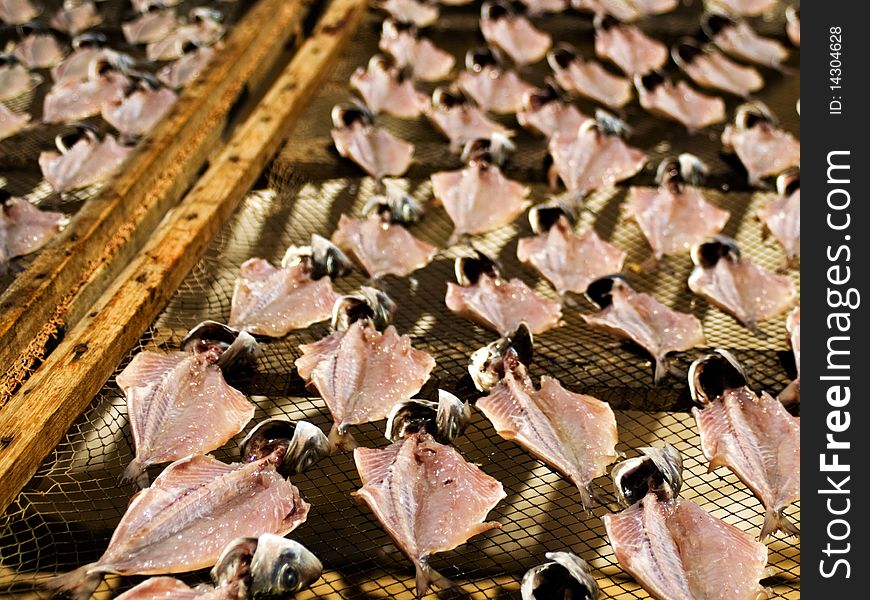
(68, 276)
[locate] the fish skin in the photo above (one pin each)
(630, 49)
(189, 67)
(178, 404)
(165, 588)
(626, 10)
(568, 261)
(479, 198)
(427, 498)
(552, 118)
(740, 8)
(15, 80)
(740, 41)
(150, 27)
(39, 51)
(744, 290)
(76, 17)
(792, 392)
(76, 100)
(139, 112)
(411, 11)
(573, 433)
(656, 328)
(759, 441)
(86, 163)
(673, 219)
(682, 103)
(382, 91)
(377, 151)
(362, 373)
(182, 523)
(517, 37)
(18, 12)
(763, 149)
(494, 90)
(782, 218)
(502, 305)
(382, 248)
(76, 66)
(716, 71)
(538, 7)
(12, 123)
(590, 79)
(271, 301)
(24, 228)
(588, 160)
(678, 551)
(426, 61)
(464, 123)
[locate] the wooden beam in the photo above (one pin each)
(68, 276)
(41, 412)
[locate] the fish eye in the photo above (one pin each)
(608, 22)
(651, 81)
(288, 579)
(495, 10)
(480, 58)
(564, 56)
(688, 52)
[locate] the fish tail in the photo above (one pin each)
(774, 520)
(427, 577)
(75, 585)
(136, 473)
(661, 370)
(342, 440)
(791, 394)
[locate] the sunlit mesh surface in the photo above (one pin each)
(66, 515)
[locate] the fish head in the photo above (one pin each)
(600, 291)
(391, 28)
(686, 51)
(478, 59)
(323, 258)
(561, 56)
(543, 217)
(445, 420)
(447, 98)
(82, 131)
(369, 303)
(8, 60)
(489, 364)
(711, 375)
(712, 24)
(708, 253)
(469, 269)
(685, 168)
(649, 82)
(395, 208)
(750, 114)
(565, 576)
(788, 182)
(608, 124)
(540, 97)
(234, 563)
(224, 346)
(295, 445)
(793, 14)
(605, 22)
(205, 14)
(345, 115)
(487, 151)
(33, 28)
(493, 10)
(281, 567)
(89, 40)
(659, 470)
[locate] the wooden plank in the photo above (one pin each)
(69, 275)
(43, 409)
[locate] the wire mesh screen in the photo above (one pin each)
(67, 513)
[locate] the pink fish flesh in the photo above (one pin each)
(626, 10)
(502, 305)
(12, 122)
(650, 324)
(76, 16)
(39, 51)
(479, 198)
(88, 162)
(25, 229)
(573, 433)
(77, 66)
(77, 100)
(495, 90)
(763, 149)
(739, 40)
(189, 67)
(188, 515)
(517, 37)
(674, 218)
(782, 218)
(171, 47)
(537, 7)
(714, 70)
(426, 61)
(743, 289)
(464, 123)
(550, 118)
(142, 6)
(427, 497)
(164, 588)
(630, 49)
(382, 248)
(668, 547)
(382, 90)
(376, 150)
(740, 8)
(570, 262)
(681, 103)
(271, 301)
(135, 115)
(150, 27)
(411, 11)
(792, 392)
(17, 12)
(362, 373)
(759, 441)
(590, 79)
(591, 159)
(793, 26)
(178, 404)
(15, 80)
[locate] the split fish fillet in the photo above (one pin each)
(382, 248)
(25, 229)
(782, 218)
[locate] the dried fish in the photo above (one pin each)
(763, 148)
(203, 28)
(588, 78)
(544, 112)
(752, 435)
(737, 38)
(711, 69)
(39, 49)
(460, 120)
(142, 108)
(189, 67)
(678, 101)
(15, 79)
(564, 576)
(420, 14)
(792, 392)
(425, 61)
(376, 150)
(782, 216)
(643, 319)
(151, 26)
(83, 160)
(18, 12)
(628, 47)
(75, 100)
(24, 228)
(384, 89)
(11, 122)
(76, 16)
(512, 33)
(492, 87)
